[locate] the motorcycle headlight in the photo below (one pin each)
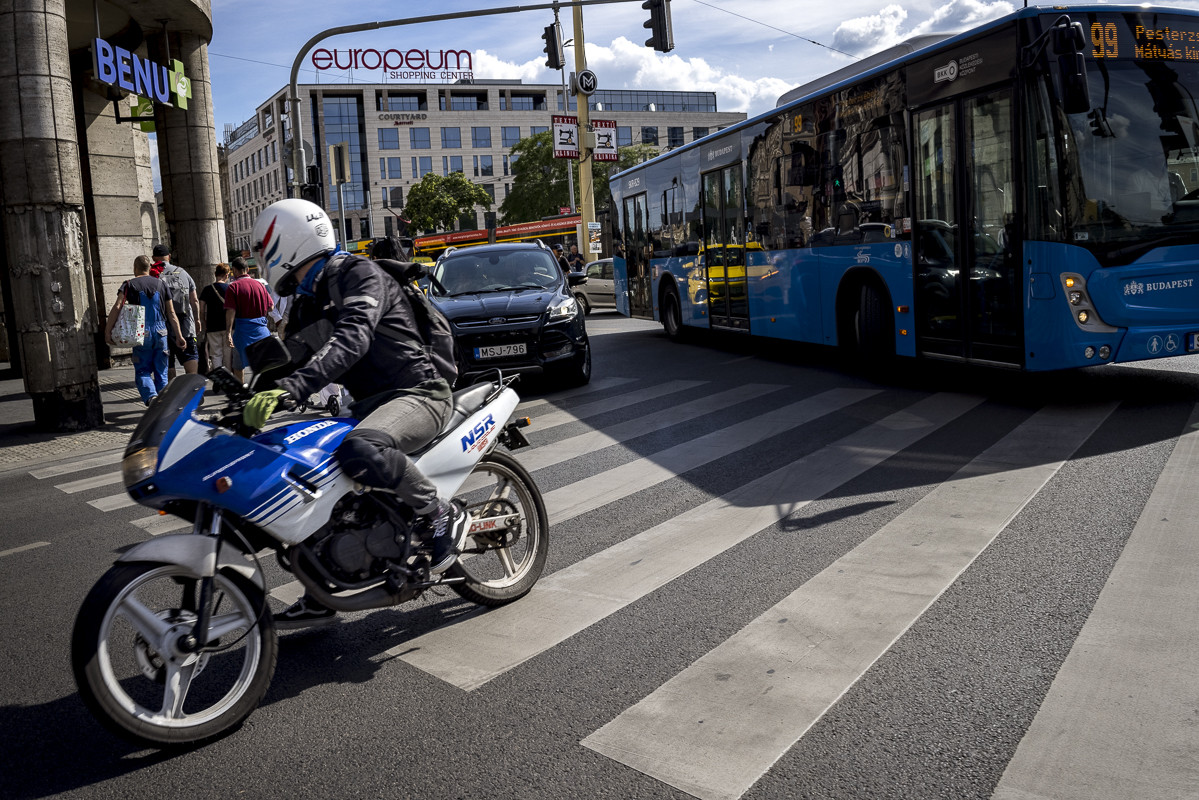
(139, 465)
(564, 311)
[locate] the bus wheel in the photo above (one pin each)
(872, 339)
(672, 315)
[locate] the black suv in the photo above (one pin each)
(511, 308)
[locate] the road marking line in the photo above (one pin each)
(112, 502)
(580, 497)
(716, 727)
(560, 417)
(477, 649)
(23, 548)
(1119, 718)
(547, 455)
(95, 482)
(78, 466)
(161, 523)
(597, 385)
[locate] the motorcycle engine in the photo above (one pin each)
(359, 541)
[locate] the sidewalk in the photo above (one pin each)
(21, 444)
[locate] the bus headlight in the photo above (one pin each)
(564, 311)
(139, 465)
(1083, 316)
(1075, 298)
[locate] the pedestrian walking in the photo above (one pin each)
(247, 304)
(187, 308)
(212, 311)
(150, 357)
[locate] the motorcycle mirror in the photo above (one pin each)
(267, 354)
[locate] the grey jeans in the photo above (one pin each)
(376, 452)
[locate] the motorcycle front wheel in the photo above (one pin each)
(136, 674)
(506, 551)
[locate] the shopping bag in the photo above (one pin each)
(130, 330)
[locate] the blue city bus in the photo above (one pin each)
(1023, 195)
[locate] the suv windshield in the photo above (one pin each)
(472, 273)
(1136, 159)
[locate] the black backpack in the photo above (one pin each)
(436, 334)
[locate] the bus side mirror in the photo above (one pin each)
(1069, 42)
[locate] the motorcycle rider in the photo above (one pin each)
(373, 348)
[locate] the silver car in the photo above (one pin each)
(597, 292)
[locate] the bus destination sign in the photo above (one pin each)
(1124, 40)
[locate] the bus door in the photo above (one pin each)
(637, 254)
(723, 250)
(967, 265)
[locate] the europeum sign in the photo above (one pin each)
(396, 64)
(119, 67)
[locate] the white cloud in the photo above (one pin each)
(870, 34)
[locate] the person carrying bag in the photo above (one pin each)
(144, 305)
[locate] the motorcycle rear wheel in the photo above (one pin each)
(136, 680)
(498, 488)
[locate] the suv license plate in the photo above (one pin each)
(500, 350)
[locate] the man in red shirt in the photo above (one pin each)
(246, 305)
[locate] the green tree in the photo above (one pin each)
(436, 202)
(539, 183)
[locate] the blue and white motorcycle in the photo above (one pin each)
(176, 645)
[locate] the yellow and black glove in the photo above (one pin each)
(260, 407)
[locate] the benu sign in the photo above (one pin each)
(119, 67)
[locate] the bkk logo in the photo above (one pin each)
(119, 67)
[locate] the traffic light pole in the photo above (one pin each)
(586, 143)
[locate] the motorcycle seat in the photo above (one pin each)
(466, 402)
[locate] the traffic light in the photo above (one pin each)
(553, 47)
(661, 39)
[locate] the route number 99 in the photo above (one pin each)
(1103, 40)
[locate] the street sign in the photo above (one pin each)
(566, 137)
(588, 83)
(309, 154)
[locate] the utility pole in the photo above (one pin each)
(586, 143)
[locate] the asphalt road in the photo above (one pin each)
(769, 577)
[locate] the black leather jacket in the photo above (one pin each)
(358, 331)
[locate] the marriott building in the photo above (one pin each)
(398, 132)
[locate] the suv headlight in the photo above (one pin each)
(564, 311)
(139, 465)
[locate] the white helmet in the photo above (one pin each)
(289, 233)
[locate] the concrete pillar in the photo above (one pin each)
(46, 247)
(187, 161)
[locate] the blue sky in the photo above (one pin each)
(748, 51)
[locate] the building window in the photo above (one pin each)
(485, 167)
(698, 133)
(451, 137)
(536, 129)
(509, 136)
(480, 137)
(389, 139)
(465, 103)
(674, 137)
(404, 102)
(505, 165)
(490, 189)
(419, 138)
(624, 135)
(451, 164)
(522, 104)
(649, 134)
(424, 168)
(393, 197)
(393, 168)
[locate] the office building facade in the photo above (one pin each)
(399, 132)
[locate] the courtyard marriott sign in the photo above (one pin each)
(401, 65)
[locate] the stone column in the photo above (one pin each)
(45, 228)
(187, 161)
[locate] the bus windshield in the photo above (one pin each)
(1137, 158)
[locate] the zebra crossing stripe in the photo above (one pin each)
(597, 385)
(578, 498)
(23, 548)
(103, 460)
(540, 457)
(472, 652)
(715, 728)
(112, 502)
(559, 417)
(94, 482)
(160, 524)
(1119, 720)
